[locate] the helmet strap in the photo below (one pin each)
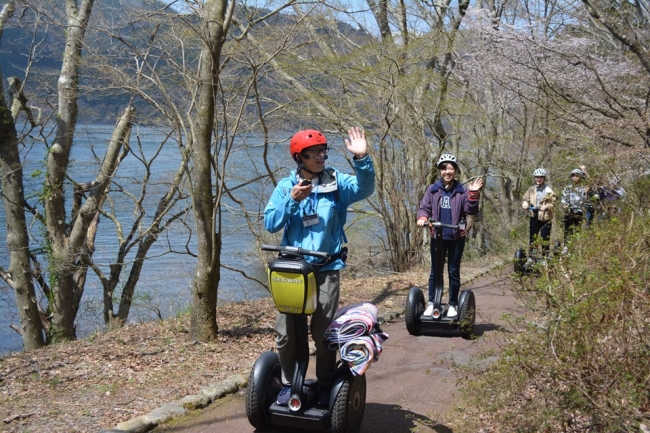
(301, 166)
(313, 173)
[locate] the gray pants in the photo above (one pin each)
(328, 302)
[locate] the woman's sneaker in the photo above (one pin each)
(284, 396)
(451, 312)
(428, 311)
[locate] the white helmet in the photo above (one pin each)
(447, 157)
(540, 172)
(578, 172)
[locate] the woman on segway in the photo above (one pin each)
(311, 206)
(449, 202)
(538, 201)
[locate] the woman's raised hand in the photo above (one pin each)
(476, 184)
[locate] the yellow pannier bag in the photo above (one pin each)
(293, 285)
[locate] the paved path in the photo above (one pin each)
(412, 386)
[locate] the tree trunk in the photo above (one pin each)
(62, 253)
(203, 321)
(19, 276)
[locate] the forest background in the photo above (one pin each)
(506, 86)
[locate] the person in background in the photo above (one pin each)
(607, 196)
(591, 198)
(449, 202)
(575, 198)
(310, 205)
(539, 200)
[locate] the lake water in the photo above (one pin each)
(165, 284)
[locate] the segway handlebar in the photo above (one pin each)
(433, 223)
(295, 250)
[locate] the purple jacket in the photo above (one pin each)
(461, 205)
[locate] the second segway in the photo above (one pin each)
(293, 286)
(416, 322)
(524, 264)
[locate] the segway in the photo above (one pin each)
(524, 264)
(416, 323)
(293, 286)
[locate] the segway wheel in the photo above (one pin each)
(264, 384)
(467, 315)
(349, 406)
(413, 311)
(520, 261)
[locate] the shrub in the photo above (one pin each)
(579, 360)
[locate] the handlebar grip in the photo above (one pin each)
(295, 250)
(439, 224)
(314, 253)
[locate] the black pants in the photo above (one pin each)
(453, 252)
(572, 223)
(541, 229)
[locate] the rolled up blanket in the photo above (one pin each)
(357, 335)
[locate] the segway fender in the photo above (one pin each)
(263, 368)
(414, 295)
(342, 374)
(413, 311)
(463, 294)
(520, 261)
(466, 314)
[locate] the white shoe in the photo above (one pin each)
(428, 311)
(451, 312)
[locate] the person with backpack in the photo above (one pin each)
(311, 205)
(449, 202)
(539, 200)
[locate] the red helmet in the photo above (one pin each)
(304, 139)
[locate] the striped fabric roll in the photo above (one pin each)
(357, 335)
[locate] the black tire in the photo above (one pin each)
(520, 261)
(413, 311)
(269, 373)
(349, 406)
(467, 315)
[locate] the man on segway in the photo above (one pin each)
(311, 206)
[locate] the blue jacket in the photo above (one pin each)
(329, 200)
(461, 205)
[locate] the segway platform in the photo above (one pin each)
(441, 322)
(313, 418)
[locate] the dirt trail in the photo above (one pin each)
(410, 389)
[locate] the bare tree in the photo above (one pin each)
(217, 16)
(69, 240)
(19, 276)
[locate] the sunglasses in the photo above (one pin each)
(316, 151)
